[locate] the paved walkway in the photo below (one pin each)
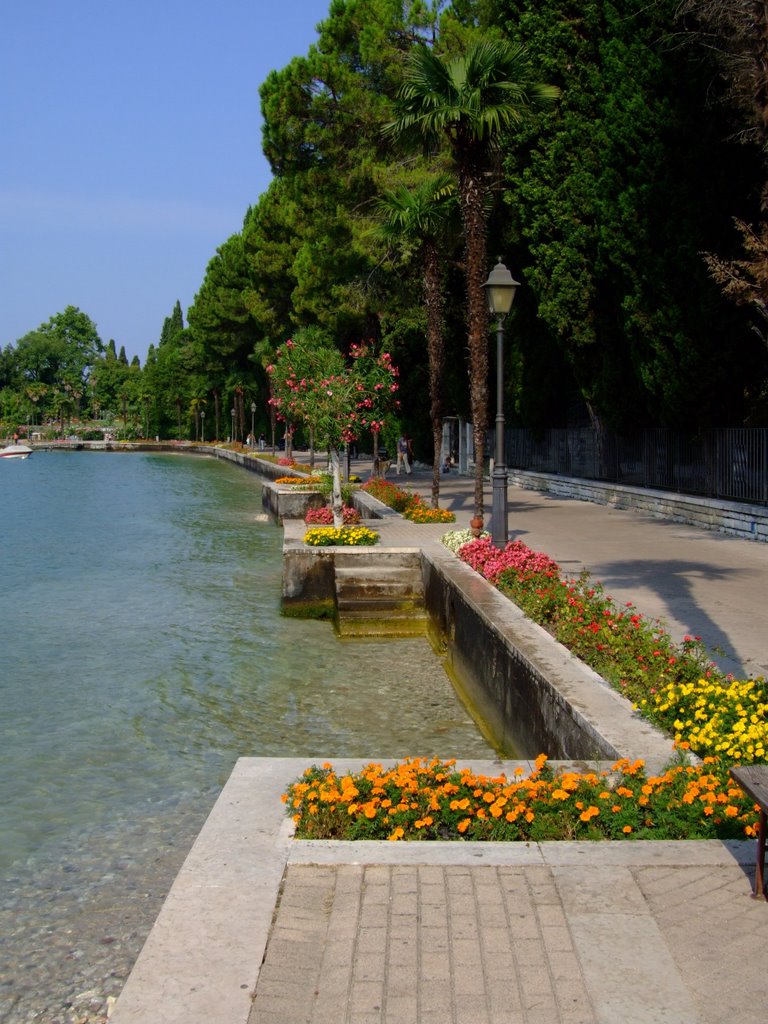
(259, 929)
(695, 581)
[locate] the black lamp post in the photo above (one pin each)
(202, 425)
(253, 415)
(500, 291)
(232, 412)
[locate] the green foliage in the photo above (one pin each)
(615, 194)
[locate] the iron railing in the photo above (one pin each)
(729, 463)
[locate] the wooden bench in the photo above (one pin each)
(753, 779)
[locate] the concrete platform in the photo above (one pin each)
(260, 929)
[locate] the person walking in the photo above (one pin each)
(403, 452)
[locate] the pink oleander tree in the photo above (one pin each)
(338, 400)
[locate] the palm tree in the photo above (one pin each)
(469, 101)
(422, 215)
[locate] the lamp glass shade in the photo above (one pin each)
(500, 290)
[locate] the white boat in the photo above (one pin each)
(15, 451)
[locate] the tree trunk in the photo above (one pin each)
(433, 294)
(217, 411)
(471, 192)
(336, 499)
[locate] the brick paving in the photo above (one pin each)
(386, 944)
(548, 944)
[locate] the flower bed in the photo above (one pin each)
(419, 799)
(419, 513)
(675, 686)
(348, 536)
(298, 481)
(456, 539)
(324, 516)
(406, 502)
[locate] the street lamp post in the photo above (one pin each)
(202, 427)
(500, 291)
(232, 413)
(253, 414)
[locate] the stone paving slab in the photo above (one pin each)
(260, 929)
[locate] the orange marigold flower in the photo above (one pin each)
(731, 811)
(627, 829)
(590, 812)
(464, 825)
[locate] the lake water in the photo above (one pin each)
(142, 652)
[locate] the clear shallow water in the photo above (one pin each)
(142, 652)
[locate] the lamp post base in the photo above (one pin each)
(499, 525)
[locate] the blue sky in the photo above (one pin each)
(130, 148)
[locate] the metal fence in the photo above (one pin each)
(730, 463)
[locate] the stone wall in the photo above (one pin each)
(732, 517)
(531, 693)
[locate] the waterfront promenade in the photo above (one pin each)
(695, 581)
(260, 929)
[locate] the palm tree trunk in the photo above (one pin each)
(433, 294)
(471, 192)
(217, 411)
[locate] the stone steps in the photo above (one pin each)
(379, 593)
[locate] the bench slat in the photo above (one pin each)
(753, 779)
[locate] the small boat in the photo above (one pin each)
(15, 451)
